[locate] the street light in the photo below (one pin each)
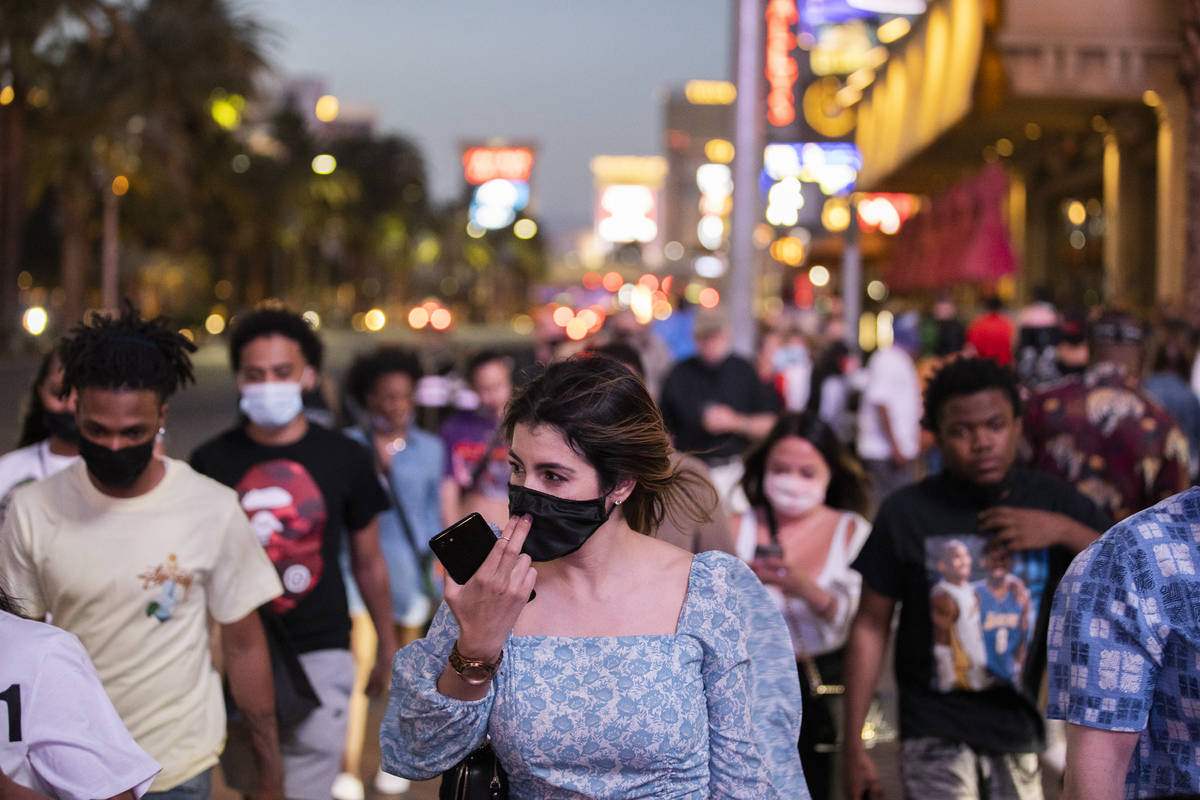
(324, 164)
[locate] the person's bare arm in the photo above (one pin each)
(885, 422)
(451, 498)
(248, 666)
(1033, 529)
(865, 649)
(1097, 761)
(370, 574)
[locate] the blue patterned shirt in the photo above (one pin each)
(711, 711)
(1124, 643)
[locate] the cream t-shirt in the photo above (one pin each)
(135, 579)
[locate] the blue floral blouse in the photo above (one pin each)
(711, 711)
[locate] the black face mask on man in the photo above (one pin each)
(62, 425)
(116, 468)
(560, 527)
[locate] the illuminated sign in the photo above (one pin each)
(710, 93)
(885, 212)
(495, 204)
(824, 112)
(639, 170)
(782, 70)
(833, 166)
(627, 214)
(715, 182)
(483, 164)
(841, 49)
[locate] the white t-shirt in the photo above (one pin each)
(27, 465)
(136, 580)
(59, 733)
(892, 382)
(812, 635)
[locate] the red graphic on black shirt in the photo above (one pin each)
(287, 512)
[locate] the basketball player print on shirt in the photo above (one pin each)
(982, 610)
(172, 582)
(288, 515)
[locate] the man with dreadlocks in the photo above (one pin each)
(133, 554)
(972, 555)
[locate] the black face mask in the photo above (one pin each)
(116, 468)
(61, 425)
(560, 527)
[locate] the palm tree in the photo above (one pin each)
(28, 35)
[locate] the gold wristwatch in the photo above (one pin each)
(475, 671)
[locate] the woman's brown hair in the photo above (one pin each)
(606, 415)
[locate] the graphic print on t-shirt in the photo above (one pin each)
(173, 583)
(288, 514)
(983, 604)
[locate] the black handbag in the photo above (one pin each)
(295, 698)
(479, 776)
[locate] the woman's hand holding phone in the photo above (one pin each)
(487, 606)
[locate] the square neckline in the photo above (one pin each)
(687, 597)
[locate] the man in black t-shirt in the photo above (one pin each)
(714, 405)
(305, 488)
(969, 725)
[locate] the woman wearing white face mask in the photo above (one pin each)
(800, 535)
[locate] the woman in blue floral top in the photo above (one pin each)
(638, 670)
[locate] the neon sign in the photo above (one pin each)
(782, 70)
(483, 164)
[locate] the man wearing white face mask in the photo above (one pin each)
(305, 488)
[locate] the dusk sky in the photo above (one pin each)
(578, 78)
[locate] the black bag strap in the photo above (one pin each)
(385, 471)
(811, 672)
(477, 473)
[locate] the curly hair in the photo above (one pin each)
(847, 478)
(963, 376)
(275, 322)
(367, 369)
(33, 428)
(127, 352)
(606, 415)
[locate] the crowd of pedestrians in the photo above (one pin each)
(702, 563)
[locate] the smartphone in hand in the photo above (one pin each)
(464, 546)
(768, 551)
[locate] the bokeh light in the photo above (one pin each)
(214, 324)
(375, 319)
(327, 108)
(324, 164)
(819, 275)
(576, 329)
(522, 324)
(35, 319)
(1076, 212)
(120, 185)
(562, 315)
(313, 319)
(612, 281)
(708, 297)
(418, 318)
(525, 229)
(440, 319)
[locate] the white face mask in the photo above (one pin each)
(271, 404)
(793, 495)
